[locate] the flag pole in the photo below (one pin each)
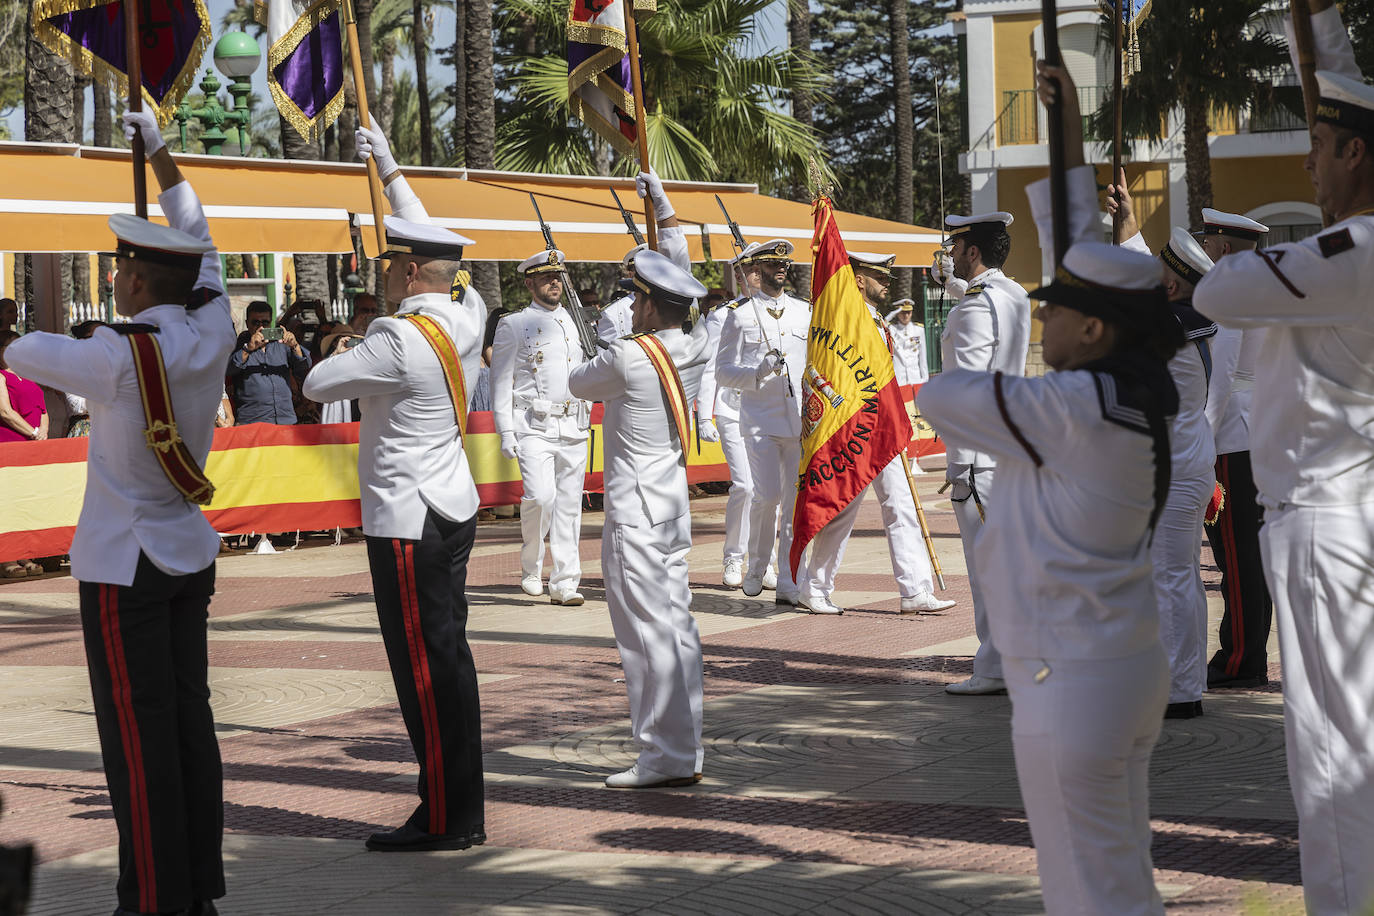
(374, 182)
(133, 59)
(925, 525)
(1117, 80)
(1301, 12)
(641, 128)
(1059, 186)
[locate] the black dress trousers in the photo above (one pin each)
(145, 648)
(1235, 543)
(420, 588)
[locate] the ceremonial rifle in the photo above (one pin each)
(630, 226)
(737, 239)
(586, 325)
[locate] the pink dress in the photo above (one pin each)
(27, 400)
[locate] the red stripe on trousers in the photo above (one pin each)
(1228, 542)
(122, 692)
(424, 689)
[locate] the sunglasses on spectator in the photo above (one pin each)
(259, 322)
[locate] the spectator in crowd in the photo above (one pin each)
(78, 419)
(9, 314)
(340, 339)
(364, 310)
(225, 415)
(22, 417)
(261, 370)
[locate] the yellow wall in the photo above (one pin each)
(1239, 185)
(1014, 66)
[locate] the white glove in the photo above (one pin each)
(706, 429)
(771, 365)
(942, 270)
(509, 447)
(648, 185)
(371, 144)
(143, 122)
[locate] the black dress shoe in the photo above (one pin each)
(408, 838)
(1197, 707)
(1240, 682)
(1190, 709)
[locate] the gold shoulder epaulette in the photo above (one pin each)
(734, 305)
(974, 290)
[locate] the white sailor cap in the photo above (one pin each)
(878, 263)
(961, 224)
(542, 263)
(422, 240)
(774, 250)
(1184, 256)
(657, 276)
(1106, 281)
(628, 262)
(1345, 102)
(139, 240)
(1219, 222)
(904, 305)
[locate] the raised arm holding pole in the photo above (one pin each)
(134, 60)
(374, 182)
(641, 126)
(1307, 62)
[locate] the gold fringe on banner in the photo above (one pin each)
(309, 128)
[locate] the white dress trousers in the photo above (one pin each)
(660, 648)
(741, 488)
(910, 565)
(1319, 562)
(552, 471)
(1082, 739)
(1176, 553)
(773, 464)
(988, 661)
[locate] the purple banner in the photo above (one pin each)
(312, 75)
(168, 30)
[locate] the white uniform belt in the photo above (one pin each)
(556, 408)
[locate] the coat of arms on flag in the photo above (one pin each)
(854, 421)
(599, 89)
(173, 37)
(304, 61)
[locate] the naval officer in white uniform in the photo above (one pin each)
(543, 426)
(905, 546)
(763, 354)
(989, 331)
(1312, 445)
(143, 553)
(908, 343)
(1083, 471)
(648, 528)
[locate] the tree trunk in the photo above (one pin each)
(419, 34)
(799, 38)
(81, 263)
(459, 90)
(363, 10)
(48, 117)
(902, 119)
(102, 125)
(1197, 159)
(480, 152)
(386, 95)
(311, 272)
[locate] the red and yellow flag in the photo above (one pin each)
(854, 421)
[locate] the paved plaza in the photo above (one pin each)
(839, 776)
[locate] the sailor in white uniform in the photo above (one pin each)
(906, 547)
(1177, 549)
(908, 343)
(543, 426)
(989, 331)
(1312, 445)
(717, 416)
(615, 320)
(1083, 469)
(763, 354)
(143, 553)
(419, 504)
(648, 529)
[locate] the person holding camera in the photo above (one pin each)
(261, 367)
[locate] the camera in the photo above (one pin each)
(351, 342)
(272, 334)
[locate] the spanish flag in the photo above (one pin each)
(854, 421)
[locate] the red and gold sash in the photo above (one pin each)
(673, 394)
(442, 344)
(161, 432)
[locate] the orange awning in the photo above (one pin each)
(61, 195)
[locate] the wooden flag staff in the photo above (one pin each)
(134, 61)
(921, 517)
(1118, 78)
(1059, 186)
(374, 181)
(641, 128)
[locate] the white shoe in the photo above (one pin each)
(532, 586)
(977, 686)
(770, 578)
(925, 603)
(570, 597)
(734, 573)
(752, 586)
(819, 605)
(638, 777)
(790, 599)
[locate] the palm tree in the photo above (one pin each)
(712, 111)
(904, 129)
(48, 117)
(1202, 59)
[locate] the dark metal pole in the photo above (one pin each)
(134, 61)
(1118, 78)
(1059, 189)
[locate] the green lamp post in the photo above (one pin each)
(237, 57)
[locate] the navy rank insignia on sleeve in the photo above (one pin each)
(1333, 243)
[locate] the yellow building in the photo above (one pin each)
(1256, 163)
